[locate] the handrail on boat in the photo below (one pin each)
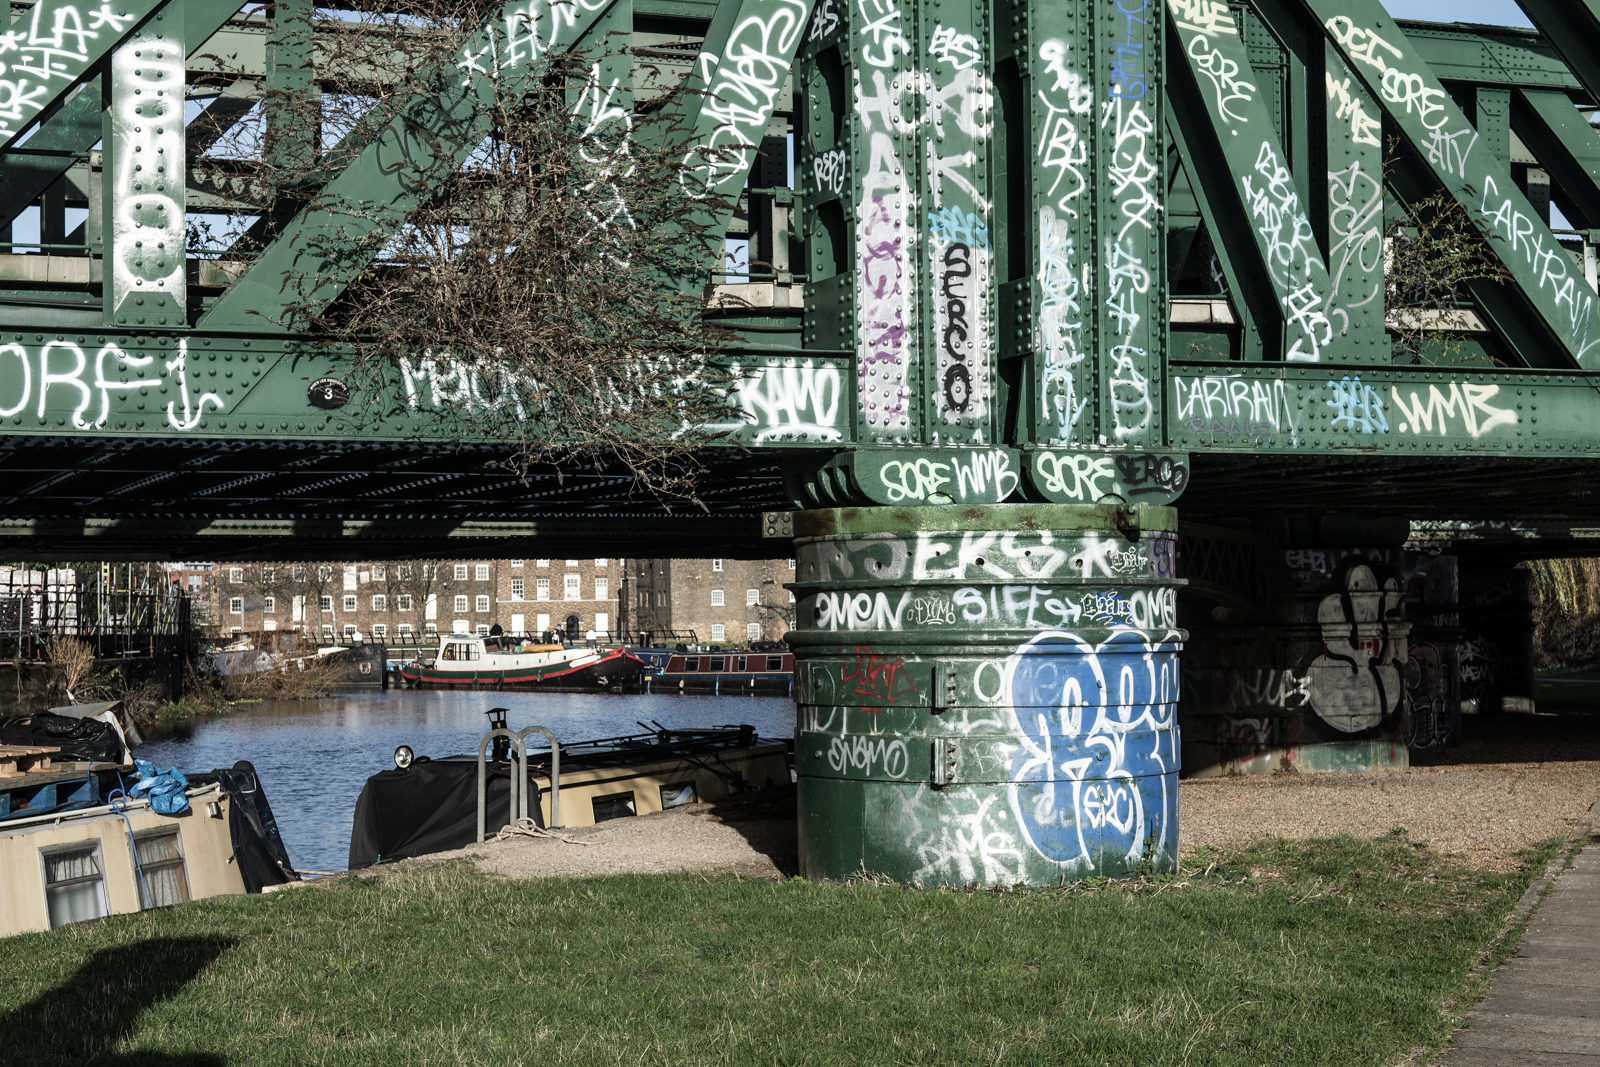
(519, 797)
(555, 772)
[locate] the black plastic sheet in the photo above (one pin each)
(431, 806)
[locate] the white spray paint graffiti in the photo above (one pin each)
(150, 177)
(885, 270)
(1364, 129)
(1450, 141)
(1133, 185)
(1030, 607)
(1355, 214)
(965, 476)
(859, 611)
(63, 365)
(1077, 476)
(831, 170)
(1256, 410)
(53, 43)
(1466, 401)
(824, 21)
(864, 753)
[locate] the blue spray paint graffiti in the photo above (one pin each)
(1095, 781)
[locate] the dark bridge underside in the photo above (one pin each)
(93, 499)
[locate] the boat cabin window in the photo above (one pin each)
(742, 663)
(74, 887)
(692, 663)
(677, 794)
(719, 663)
(162, 862)
(457, 651)
(774, 663)
(613, 806)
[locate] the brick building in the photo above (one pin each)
(396, 601)
(726, 602)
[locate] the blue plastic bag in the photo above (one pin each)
(165, 789)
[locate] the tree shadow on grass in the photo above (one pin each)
(84, 1019)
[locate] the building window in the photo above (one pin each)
(518, 562)
(74, 889)
(483, 572)
(299, 573)
(268, 574)
(716, 598)
(327, 629)
(573, 588)
(235, 575)
(791, 596)
(350, 603)
(541, 589)
(716, 564)
(461, 626)
(572, 563)
(516, 588)
(380, 630)
(161, 860)
(325, 573)
(236, 605)
(602, 621)
(404, 571)
(541, 623)
(236, 631)
(599, 563)
(602, 588)
(404, 630)
(379, 573)
(269, 605)
(461, 572)
(403, 602)
(431, 629)
(380, 602)
(791, 564)
(325, 603)
(349, 629)
(483, 629)
(752, 596)
(461, 604)
(752, 632)
(541, 563)
(482, 605)
(717, 631)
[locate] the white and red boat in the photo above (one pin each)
(466, 661)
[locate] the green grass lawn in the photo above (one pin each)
(1339, 951)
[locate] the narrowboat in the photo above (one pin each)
(86, 831)
(427, 805)
(468, 661)
(731, 673)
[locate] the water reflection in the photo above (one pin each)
(314, 755)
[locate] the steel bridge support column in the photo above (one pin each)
(987, 694)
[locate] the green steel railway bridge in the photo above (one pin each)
(1072, 382)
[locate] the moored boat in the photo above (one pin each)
(470, 661)
(734, 672)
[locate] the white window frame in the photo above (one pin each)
(752, 631)
(718, 598)
(482, 605)
(380, 602)
(600, 563)
(482, 574)
(541, 589)
(718, 632)
(572, 586)
(325, 602)
(350, 602)
(236, 605)
(235, 575)
(93, 848)
(380, 629)
(518, 562)
(460, 603)
(752, 596)
(518, 588)
(403, 602)
(269, 605)
(461, 572)
(541, 563)
(602, 589)
(716, 565)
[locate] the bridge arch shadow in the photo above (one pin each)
(86, 1018)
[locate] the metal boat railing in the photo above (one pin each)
(519, 799)
(555, 772)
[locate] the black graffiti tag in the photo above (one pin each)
(1149, 473)
(957, 379)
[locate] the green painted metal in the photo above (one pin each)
(1241, 127)
(1572, 29)
(985, 700)
(1505, 57)
(1355, 213)
(1568, 147)
(1423, 112)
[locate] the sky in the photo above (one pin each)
(1489, 12)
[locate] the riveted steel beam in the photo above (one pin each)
(1556, 316)
(1572, 28)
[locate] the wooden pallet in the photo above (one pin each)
(16, 761)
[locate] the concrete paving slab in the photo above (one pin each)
(1498, 1057)
(1528, 1041)
(1484, 1020)
(1504, 1005)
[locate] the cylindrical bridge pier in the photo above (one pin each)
(987, 694)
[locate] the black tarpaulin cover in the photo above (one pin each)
(257, 846)
(78, 739)
(431, 806)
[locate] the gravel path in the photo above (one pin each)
(1518, 781)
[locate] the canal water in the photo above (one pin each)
(314, 755)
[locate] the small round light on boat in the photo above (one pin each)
(403, 757)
